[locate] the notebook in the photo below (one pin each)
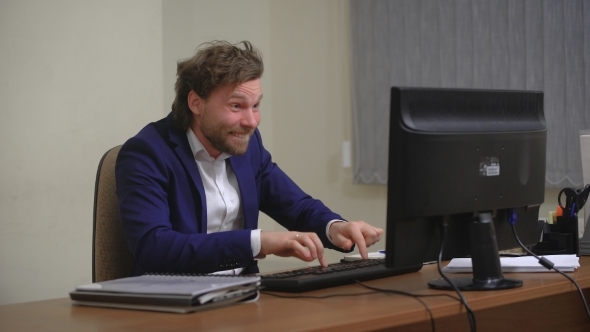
(171, 293)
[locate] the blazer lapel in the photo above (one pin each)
(184, 153)
(248, 193)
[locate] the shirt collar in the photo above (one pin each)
(199, 151)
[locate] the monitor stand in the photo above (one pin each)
(485, 259)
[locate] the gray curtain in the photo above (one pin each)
(496, 44)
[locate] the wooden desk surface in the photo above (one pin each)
(546, 302)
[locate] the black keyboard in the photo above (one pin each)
(337, 274)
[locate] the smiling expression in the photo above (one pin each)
(225, 121)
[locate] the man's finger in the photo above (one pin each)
(358, 238)
(301, 251)
(306, 241)
(318, 245)
(322, 261)
(312, 242)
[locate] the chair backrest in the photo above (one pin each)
(111, 258)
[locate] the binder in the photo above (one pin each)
(170, 293)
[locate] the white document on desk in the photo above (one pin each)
(565, 263)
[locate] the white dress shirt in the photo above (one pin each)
(222, 194)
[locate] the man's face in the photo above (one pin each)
(226, 120)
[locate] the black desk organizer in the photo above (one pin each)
(560, 238)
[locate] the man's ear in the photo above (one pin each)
(195, 103)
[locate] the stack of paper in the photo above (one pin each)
(564, 263)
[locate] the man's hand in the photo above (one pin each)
(305, 246)
(345, 234)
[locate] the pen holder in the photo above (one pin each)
(560, 239)
(554, 244)
(568, 225)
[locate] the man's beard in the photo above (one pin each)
(223, 141)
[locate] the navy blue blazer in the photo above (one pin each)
(163, 209)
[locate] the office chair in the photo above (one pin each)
(111, 258)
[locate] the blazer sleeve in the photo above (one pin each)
(284, 201)
(161, 214)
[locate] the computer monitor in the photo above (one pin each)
(469, 159)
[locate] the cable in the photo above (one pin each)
(406, 294)
(547, 263)
(415, 296)
(470, 315)
(365, 293)
(394, 291)
(373, 290)
(313, 297)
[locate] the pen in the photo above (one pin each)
(381, 251)
(573, 213)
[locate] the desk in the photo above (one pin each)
(546, 302)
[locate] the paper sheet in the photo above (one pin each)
(565, 263)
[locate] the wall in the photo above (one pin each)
(188, 23)
(77, 78)
(312, 107)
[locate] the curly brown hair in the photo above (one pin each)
(215, 64)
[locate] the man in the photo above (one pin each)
(191, 185)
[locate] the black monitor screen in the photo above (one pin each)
(455, 154)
